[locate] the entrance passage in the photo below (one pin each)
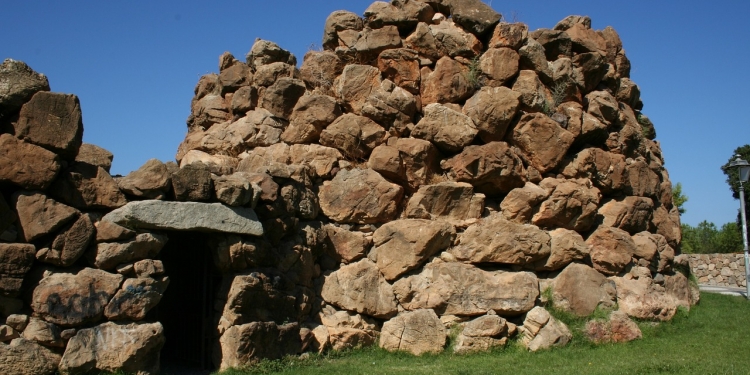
(186, 309)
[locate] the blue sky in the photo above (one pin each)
(134, 65)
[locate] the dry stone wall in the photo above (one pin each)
(719, 269)
(431, 166)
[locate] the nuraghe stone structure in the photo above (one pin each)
(432, 166)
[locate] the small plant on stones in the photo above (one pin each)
(474, 75)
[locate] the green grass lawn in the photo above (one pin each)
(713, 338)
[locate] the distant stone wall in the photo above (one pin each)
(718, 269)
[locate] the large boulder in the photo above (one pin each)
(611, 250)
(355, 136)
(542, 140)
(499, 65)
(416, 332)
(337, 22)
(39, 215)
(522, 202)
(492, 109)
(482, 333)
(453, 201)
(605, 169)
(473, 15)
(186, 216)
(449, 130)
(135, 298)
(643, 299)
(355, 85)
(16, 260)
(68, 299)
(565, 246)
(310, 116)
(18, 84)
(26, 165)
(347, 330)
(571, 204)
(360, 287)
(448, 83)
(108, 255)
(497, 240)
(493, 169)
(410, 162)
(631, 214)
(87, 186)
(264, 52)
(151, 181)
(192, 183)
(580, 289)
(258, 296)
(402, 245)
(542, 331)
(281, 97)
(24, 357)
(617, 328)
(346, 246)
(70, 244)
(402, 14)
(110, 347)
(401, 66)
(95, 155)
(452, 288)
(53, 121)
(247, 344)
(360, 196)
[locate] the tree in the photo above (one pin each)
(706, 238)
(733, 180)
(678, 199)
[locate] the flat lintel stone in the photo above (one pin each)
(187, 216)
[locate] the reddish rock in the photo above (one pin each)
(453, 288)
(499, 65)
(68, 299)
(145, 245)
(310, 116)
(234, 74)
(617, 328)
(353, 135)
(492, 109)
(360, 196)
(267, 75)
(355, 85)
(667, 224)
(207, 111)
(16, 260)
(448, 83)
(566, 246)
(556, 43)
(585, 39)
(449, 130)
(264, 52)
(453, 201)
(631, 214)
(408, 161)
(346, 246)
(217, 164)
(612, 250)
(281, 97)
(39, 215)
(243, 100)
(509, 35)
(473, 15)
(492, 169)
(403, 245)
(534, 96)
(107, 231)
(336, 22)
(642, 181)
(87, 186)
(52, 121)
(321, 159)
(26, 165)
(531, 57)
(373, 41)
(360, 287)
(392, 107)
(603, 106)
(70, 244)
(402, 14)
(192, 183)
(571, 204)
(591, 67)
(496, 240)
(151, 181)
(402, 67)
(320, 69)
(521, 203)
(94, 155)
(580, 289)
(542, 141)
(606, 170)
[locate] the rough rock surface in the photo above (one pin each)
(16, 260)
(453, 201)
(52, 121)
(580, 289)
(482, 333)
(24, 357)
(416, 332)
(68, 299)
(39, 214)
(402, 245)
(617, 328)
(452, 288)
(115, 346)
(212, 217)
(541, 330)
(245, 344)
(360, 196)
(26, 165)
(360, 287)
(18, 84)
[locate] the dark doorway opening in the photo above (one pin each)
(187, 308)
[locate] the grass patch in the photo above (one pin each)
(710, 339)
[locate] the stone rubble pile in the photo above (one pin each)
(431, 166)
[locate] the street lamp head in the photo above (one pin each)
(743, 167)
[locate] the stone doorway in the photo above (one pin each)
(187, 308)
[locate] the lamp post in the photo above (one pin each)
(743, 169)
